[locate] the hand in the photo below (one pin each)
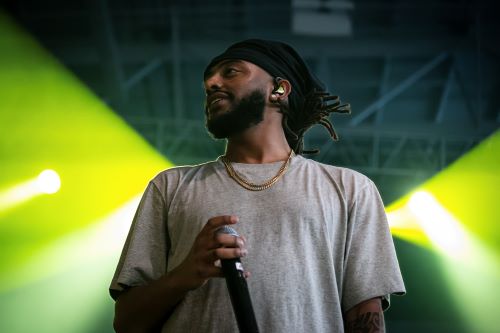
(209, 247)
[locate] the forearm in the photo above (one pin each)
(366, 317)
(141, 309)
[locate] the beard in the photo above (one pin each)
(248, 112)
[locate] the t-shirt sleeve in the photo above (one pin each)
(371, 266)
(144, 255)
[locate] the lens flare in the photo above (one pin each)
(48, 182)
(443, 230)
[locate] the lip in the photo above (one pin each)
(216, 97)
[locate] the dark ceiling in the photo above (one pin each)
(422, 76)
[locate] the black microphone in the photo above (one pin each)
(238, 290)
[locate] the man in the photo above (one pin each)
(314, 237)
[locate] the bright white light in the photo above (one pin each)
(48, 182)
(440, 226)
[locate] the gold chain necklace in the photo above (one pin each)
(251, 186)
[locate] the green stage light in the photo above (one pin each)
(443, 230)
(468, 189)
(17, 194)
(58, 251)
(48, 182)
(50, 120)
(456, 213)
(64, 286)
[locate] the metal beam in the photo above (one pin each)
(402, 86)
(420, 130)
(430, 131)
(395, 152)
(187, 131)
(383, 87)
(109, 54)
(463, 90)
(444, 95)
(160, 135)
(423, 155)
(355, 152)
(375, 151)
(158, 90)
(142, 73)
(177, 66)
(442, 153)
(323, 70)
(202, 51)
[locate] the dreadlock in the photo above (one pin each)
(316, 109)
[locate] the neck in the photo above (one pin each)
(263, 143)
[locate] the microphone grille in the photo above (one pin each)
(227, 230)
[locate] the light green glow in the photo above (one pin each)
(457, 213)
(47, 182)
(17, 194)
(443, 230)
(72, 290)
(49, 120)
(58, 251)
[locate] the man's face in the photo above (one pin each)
(236, 97)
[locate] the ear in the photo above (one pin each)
(282, 88)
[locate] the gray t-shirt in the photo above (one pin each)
(318, 244)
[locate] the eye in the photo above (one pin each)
(230, 71)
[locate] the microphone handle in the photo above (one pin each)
(240, 297)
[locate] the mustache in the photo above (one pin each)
(227, 94)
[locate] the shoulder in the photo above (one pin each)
(173, 177)
(344, 177)
(349, 184)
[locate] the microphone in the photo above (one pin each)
(238, 290)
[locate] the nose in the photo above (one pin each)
(213, 83)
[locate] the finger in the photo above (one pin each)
(225, 240)
(205, 238)
(216, 222)
(247, 274)
(229, 252)
(210, 256)
(210, 271)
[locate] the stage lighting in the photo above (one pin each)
(457, 213)
(48, 182)
(443, 230)
(61, 246)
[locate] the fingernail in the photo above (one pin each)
(234, 219)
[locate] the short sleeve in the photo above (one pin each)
(371, 268)
(144, 255)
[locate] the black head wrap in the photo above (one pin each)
(308, 102)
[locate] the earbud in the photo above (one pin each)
(280, 90)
